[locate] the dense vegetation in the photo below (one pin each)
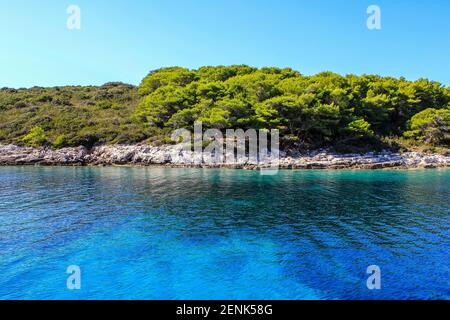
(69, 116)
(326, 109)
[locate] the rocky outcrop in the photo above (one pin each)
(175, 156)
(14, 155)
(369, 160)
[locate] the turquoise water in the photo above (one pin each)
(160, 233)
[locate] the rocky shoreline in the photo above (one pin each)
(145, 155)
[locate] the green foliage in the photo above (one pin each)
(104, 104)
(360, 126)
(174, 76)
(325, 109)
(322, 109)
(60, 141)
(215, 118)
(36, 137)
(430, 126)
(72, 116)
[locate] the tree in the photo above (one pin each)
(325, 108)
(360, 128)
(430, 126)
(241, 113)
(159, 106)
(175, 76)
(223, 73)
(184, 118)
(215, 118)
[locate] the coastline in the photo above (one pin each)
(173, 156)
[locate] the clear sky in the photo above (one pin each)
(123, 40)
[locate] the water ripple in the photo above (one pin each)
(157, 233)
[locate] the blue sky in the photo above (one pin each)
(123, 40)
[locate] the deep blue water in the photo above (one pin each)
(161, 233)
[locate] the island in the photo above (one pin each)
(324, 120)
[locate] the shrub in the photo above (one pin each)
(20, 105)
(35, 138)
(103, 104)
(360, 126)
(60, 141)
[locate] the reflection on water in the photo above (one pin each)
(157, 233)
